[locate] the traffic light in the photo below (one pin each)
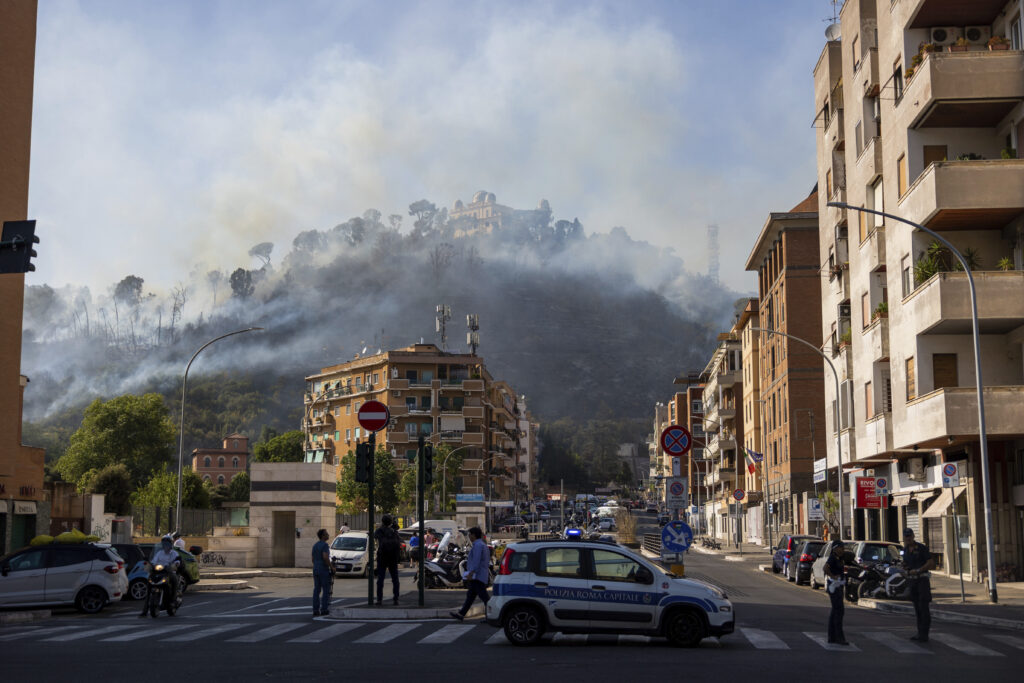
(16, 250)
(428, 465)
(363, 465)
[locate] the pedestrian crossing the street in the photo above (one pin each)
(433, 633)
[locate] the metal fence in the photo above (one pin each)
(157, 521)
(652, 543)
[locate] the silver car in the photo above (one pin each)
(86, 575)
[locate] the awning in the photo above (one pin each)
(900, 499)
(24, 507)
(453, 423)
(937, 508)
(923, 496)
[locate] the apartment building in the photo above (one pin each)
(723, 421)
(753, 481)
(660, 466)
(917, 115)
(448, 398)
(24, 510)
(790, 376)
(221, 465)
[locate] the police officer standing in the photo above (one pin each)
(835, 571)
(918, 561)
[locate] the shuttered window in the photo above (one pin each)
(911, 383)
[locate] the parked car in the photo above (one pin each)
(86, 575)
(189, 570)
(784, 549)
(803, 559)
(856, 553)
(348, 553)
(652, 509)
(136, 564)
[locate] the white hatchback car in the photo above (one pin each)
(600, 587)
(348, 553)
(86, 575)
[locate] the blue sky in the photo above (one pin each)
(167, 135)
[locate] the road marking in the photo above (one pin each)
(965, 646)
(497, 639)
(145, 633)
(322, 634)
(268, 632)
(763, 640)
(202, 633)
(822, 639)
(447, 634)
(262, 604)
(897, 643)
(387, 633)
(1012, 641)
(569, 638)
(633, 639)
(87, 633)
(36, 631)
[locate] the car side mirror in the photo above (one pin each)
(644, 575)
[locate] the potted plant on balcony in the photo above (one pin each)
(916, 60)
(925, 48)
(908, 74)
(961, 45)
(1005, 264)
(1008, 153)
(998, 43)
(881, 311)
(844, 340)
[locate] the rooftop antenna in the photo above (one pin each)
(444, 314)
(832, 32)
(713, 253)
(473, 336)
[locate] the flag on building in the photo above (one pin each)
(750, 462)
(754, 454)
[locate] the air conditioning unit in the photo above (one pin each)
(876, 108)
(944, 35)
(844, 311)
(868, 473)
(394, 373)
(396, 394)
(977, 35)
(915, 469)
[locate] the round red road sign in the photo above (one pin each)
(675, 440)
(738, 494)
(373, 416)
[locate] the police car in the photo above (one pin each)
(576, 586)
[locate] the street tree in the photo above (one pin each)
(115, 483)
(162, 491)
(238, 488)
(354, 496)
(129, 429)
(287, 447)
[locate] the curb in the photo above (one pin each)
(220, 585)
(943, 615)
(389, 614)
(24, 617)
(253, 573)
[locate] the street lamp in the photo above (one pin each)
(181, 423)
(839, 440)
(986, 487)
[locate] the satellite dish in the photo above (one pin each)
(833, 32)
(364, 350)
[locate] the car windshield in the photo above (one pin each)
(880, 553)
(349, 543)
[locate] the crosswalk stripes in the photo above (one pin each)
(569, 638)
(628, 638)
(322, 634)
(387, 633)
(144, 633)
(202, 633)
(894, 642)
(965, 646)
(447, 634)
(268, 632)
(763, 640)
(497, 639)
(822, 639)
(64, 637)
(36, 632)
(1012, 641)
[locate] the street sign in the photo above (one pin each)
(676, 440)
(675, 493)
(882, 486)
(738, 494)
(867, 494)
(814, 511)
(373, 416)
(676, 537)
(950, 475)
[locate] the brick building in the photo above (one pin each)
(220, 465)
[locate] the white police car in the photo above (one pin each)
(599, 587)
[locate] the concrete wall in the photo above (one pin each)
(307, 489)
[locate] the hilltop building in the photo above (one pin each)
(221, 465)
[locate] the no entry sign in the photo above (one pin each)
(373, 416)
(675, 440)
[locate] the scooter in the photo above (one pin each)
(162, 592)
(447, 567)
(883, 580)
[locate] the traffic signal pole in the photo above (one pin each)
(371, 471)
(421, 476)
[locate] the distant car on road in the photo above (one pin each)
(348, 553)
(86, 575)
(856, 554)
(784, 549)
(136, 564)
(803, 560)
(652, 509)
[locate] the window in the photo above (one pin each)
(901, 175)
(908, 284)
(220, 479)
(359, 432)
(862, 220)
(911, 384)
(410, 454)
(220, 461)
(348, 435)
(560, 562)
(410, 403)
(828, 182)
(62, 557)
(348, 408)
(1015, 37)
(411, 375)
(337, 411)
(865, 309)
(897, 80)
(869, 401)
(876, 202)
(32, 559)
(337, 437)
(609, 566)
(410, 428)
(234, 461)
(207, 461)
(235, 444)
(858, 136)
(376, 378)
(206, 477)
(856, 53)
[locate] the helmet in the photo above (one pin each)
(175, 536)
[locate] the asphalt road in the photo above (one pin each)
(269, 633)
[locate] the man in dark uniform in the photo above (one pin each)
(835, 571)
(918, 561)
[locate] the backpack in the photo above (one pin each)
(388, 544)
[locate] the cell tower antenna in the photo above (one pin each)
(473, 335)
(713, 253)
(444, 314)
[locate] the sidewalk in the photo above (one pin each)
(206, 573)
(978, 609)
(746, 551)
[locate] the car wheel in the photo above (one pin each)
(775, 568)
(684, 628)
(814, 582)
(523, 625)
(90, 599)
(137, 589)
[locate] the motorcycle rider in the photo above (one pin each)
(168, 557)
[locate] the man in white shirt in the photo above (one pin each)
(167, 556)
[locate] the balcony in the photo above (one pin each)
(876, 437)
(966, 195)
(975, 89)
(834, 131)
(942, 305)
(473, 412)
(868, 74)
(452, 383)
(869, 161)
(728, 379)
(473, 385)
(872, 249)
(876, 337)
(721, 476)
(927, 13)
(840, 282)
(397, 437)
(954, 412)
(473, 439)
(398, 409)
(398, 384)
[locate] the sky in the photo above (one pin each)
(171, 135)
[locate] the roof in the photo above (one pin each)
(775, 225)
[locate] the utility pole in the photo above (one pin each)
(371, 470)
(421, 476)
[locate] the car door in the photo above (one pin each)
(23, 578)
(67, 570)
(622, 592)
(561, 583)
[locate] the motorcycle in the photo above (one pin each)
(447, 567)
(883, 580)
(162, 592)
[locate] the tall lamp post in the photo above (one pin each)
(181, 422)
(986, 487)
(839, 441)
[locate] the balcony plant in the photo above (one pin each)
(925, 48)
(961, 45)
(844, 340)
(908, 74)
(1005, 264)
(998, 43)
(916, 60)
(881, 311)
(1008, 153)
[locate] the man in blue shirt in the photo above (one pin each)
(323, 575)
(478, 573)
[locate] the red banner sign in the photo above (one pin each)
(867, 494)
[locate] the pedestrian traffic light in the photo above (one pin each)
(428, 465)
(363, 463)
(16, 250)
